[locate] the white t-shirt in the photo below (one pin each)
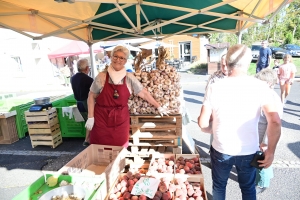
(236, 106)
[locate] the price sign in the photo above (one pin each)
(146, 186)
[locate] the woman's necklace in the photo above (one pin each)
(116, 94)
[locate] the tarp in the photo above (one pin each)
(72, 49)
(102, 20)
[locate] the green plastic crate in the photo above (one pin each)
(69, 127)
(39, 187)
(20, 118)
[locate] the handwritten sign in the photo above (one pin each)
(146, 186)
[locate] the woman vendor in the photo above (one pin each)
(108, 113)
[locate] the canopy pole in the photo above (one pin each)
(94, 71)
(240, 34)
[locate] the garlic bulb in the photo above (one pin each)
(163, 84)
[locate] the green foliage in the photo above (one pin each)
(289, 38)
(223, 38)
(198, 65)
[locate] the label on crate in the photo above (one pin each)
(146, 186)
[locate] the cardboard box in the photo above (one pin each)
(97, 160)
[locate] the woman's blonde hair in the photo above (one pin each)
(267, 75)
(121, 48)
(288, 56)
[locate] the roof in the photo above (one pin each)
(93, 21)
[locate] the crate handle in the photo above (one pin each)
(105, 148)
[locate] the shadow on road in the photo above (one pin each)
(294, 147)
(193, 93)
(291, 113)
(289, 125)
(192, 100)
(292, 103)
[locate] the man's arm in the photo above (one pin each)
(273, 132)
(205, 119)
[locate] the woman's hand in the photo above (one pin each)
(163, 111)
(90, 123)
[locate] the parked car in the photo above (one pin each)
(292, 48)
(255, 51)
(278, 52)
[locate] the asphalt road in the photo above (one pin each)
(20, 164)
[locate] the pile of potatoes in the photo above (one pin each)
(188, 166)
(178, 189)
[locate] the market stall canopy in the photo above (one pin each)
(131, 48)
(101, 20)
(72, 49)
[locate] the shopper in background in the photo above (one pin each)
(65, 71)
(264, 176)
(108, 113)
(264, 56)
(286, 75)
(235, 104)
(106, 59)
(81, 84)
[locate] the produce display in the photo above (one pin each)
(188, 166)
(168, 188)
(163, 83)
(66, 197)
(167, 164)
(162, 165)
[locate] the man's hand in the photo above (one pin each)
(90, 123)
(163, 111)
(267, 162)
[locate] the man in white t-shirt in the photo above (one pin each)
(233, 106)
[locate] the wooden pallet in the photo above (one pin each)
(50, 139)
(150, 123)
(42, 119)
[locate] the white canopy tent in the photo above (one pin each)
(156, 44)
(131, 48)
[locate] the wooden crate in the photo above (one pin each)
(42, 119)
(8, 128)
(51, 130)
(48, 139)
(155, 125)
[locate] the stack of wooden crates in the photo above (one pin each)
(43, 128)
(155, 133)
